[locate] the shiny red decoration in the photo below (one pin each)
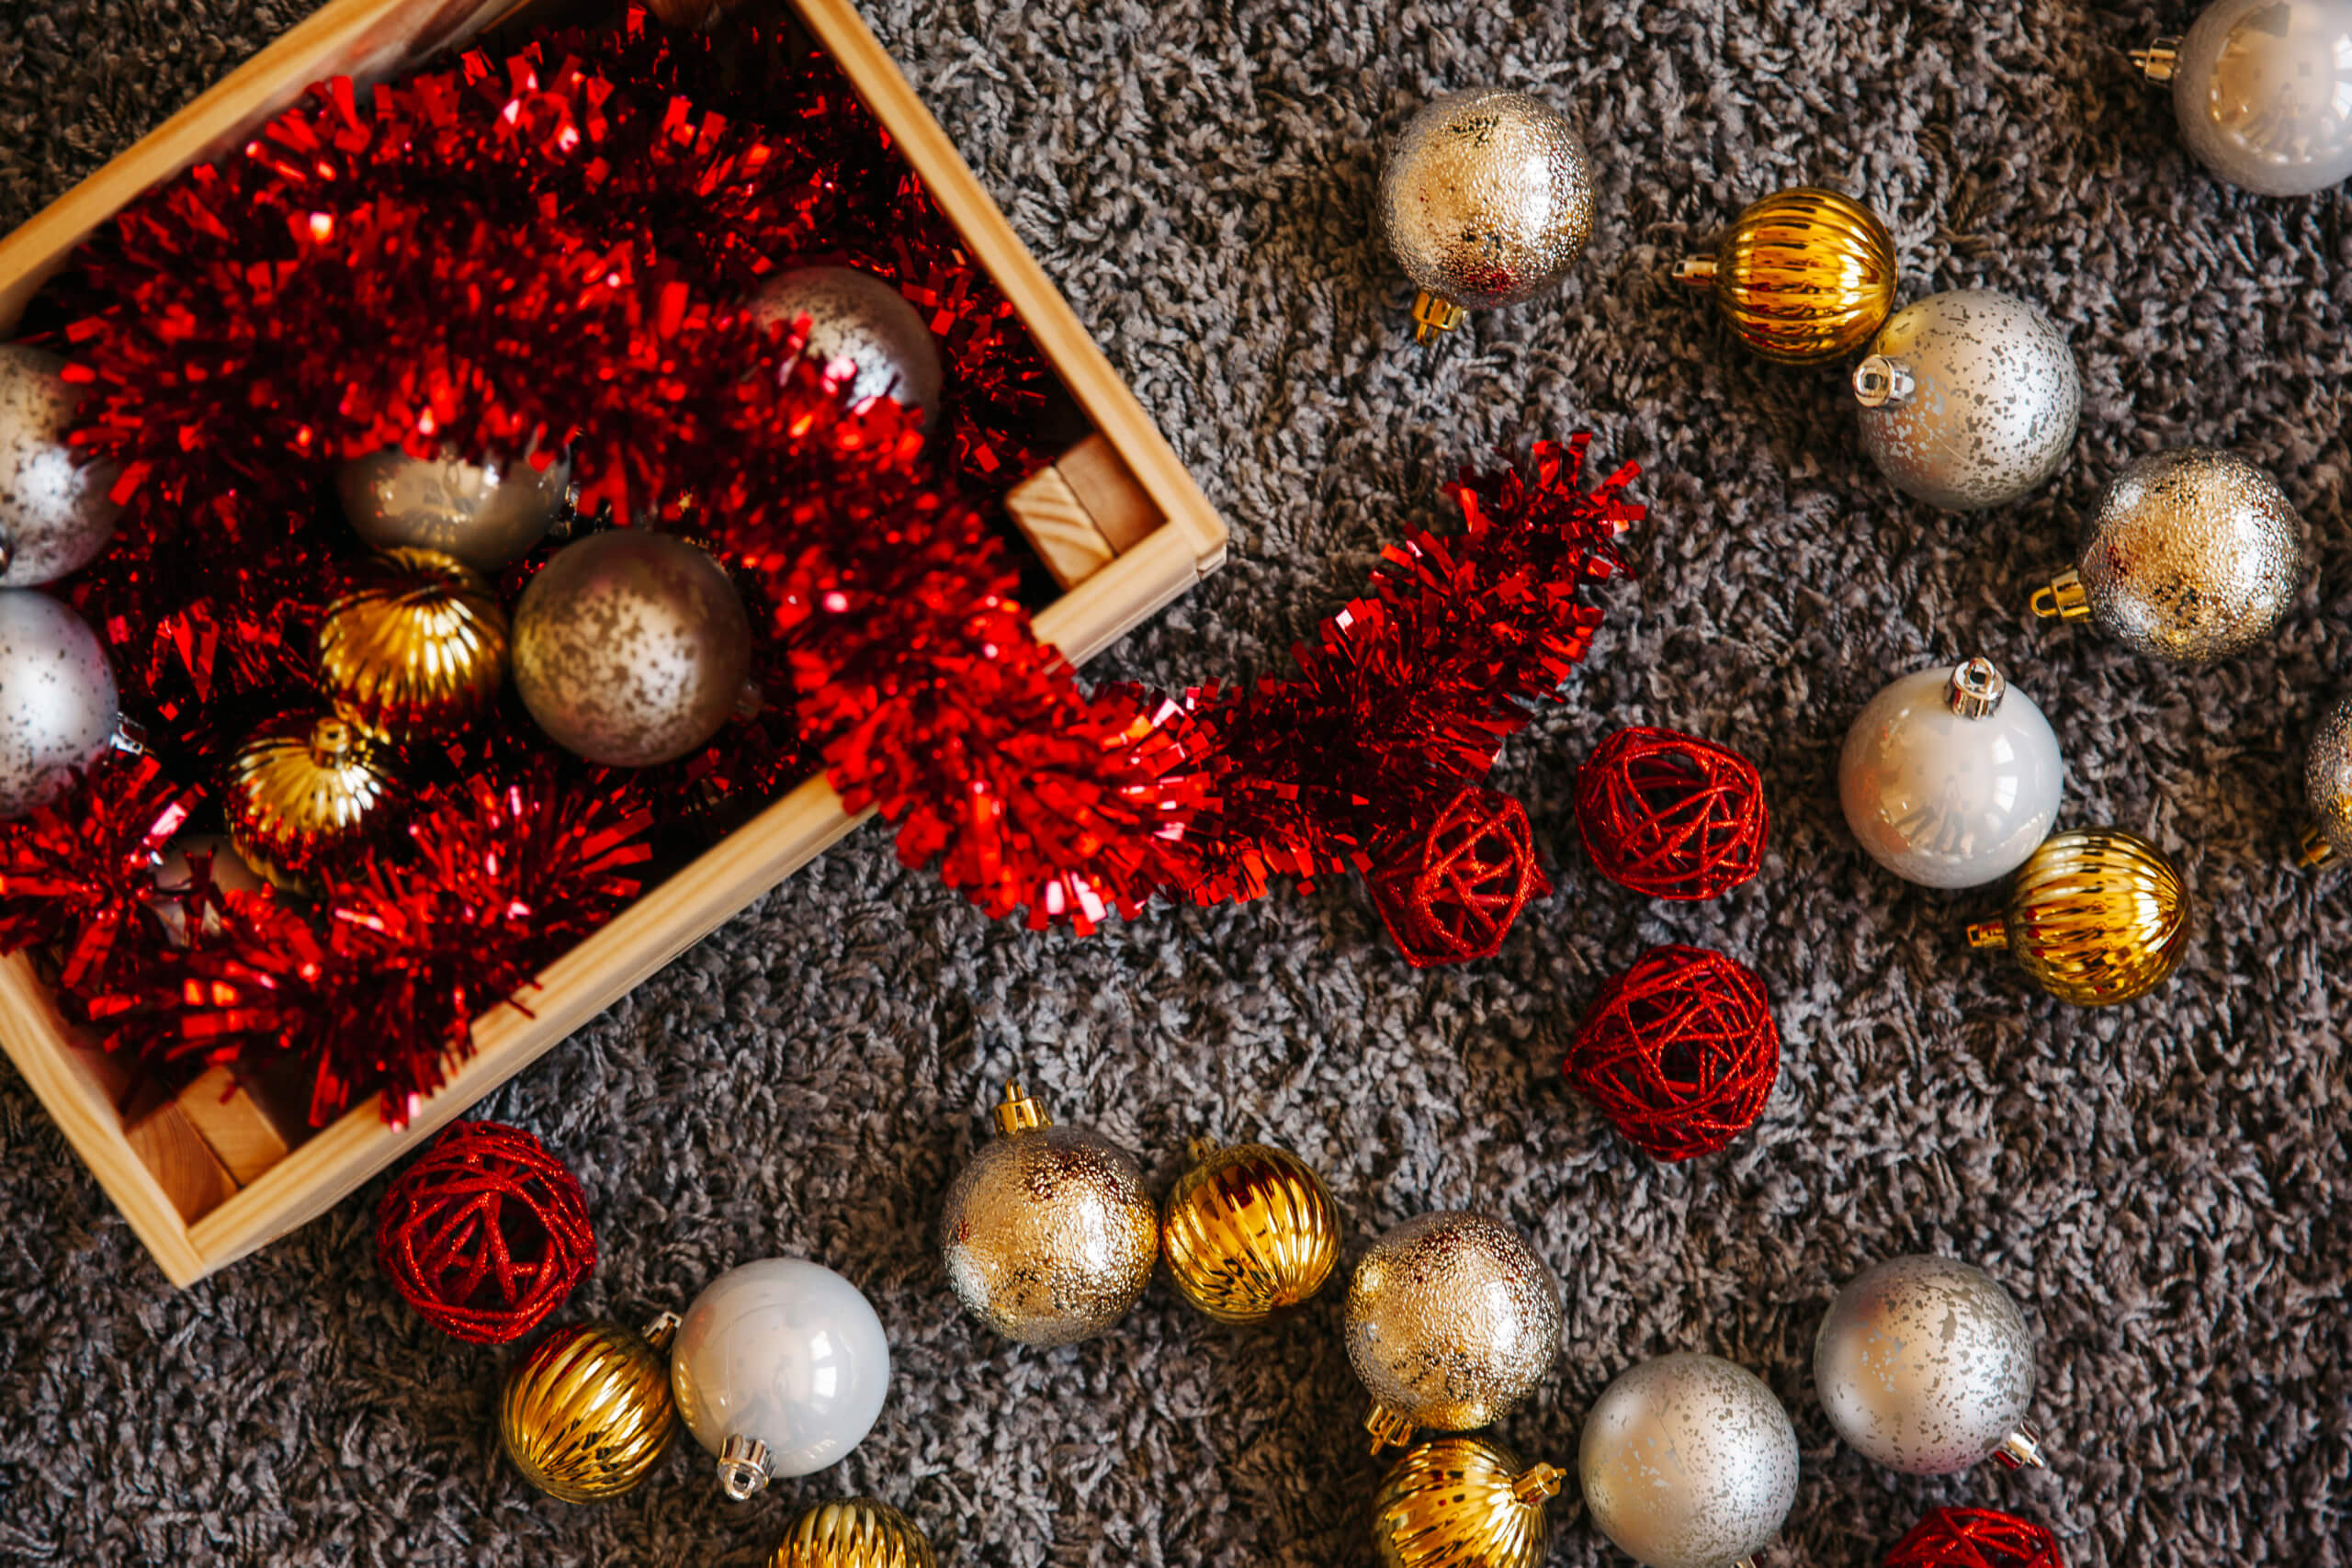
(1680, 1051)
(1975, 1537)
(1450, 895)
(77, 876)
(1671, 815)
(485, 1233)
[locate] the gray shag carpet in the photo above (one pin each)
(2163, 1187)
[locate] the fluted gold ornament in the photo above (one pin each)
(2097, 916)
(1804, 276)
(418, 642)
(1250, 1231)
(587, 1414)
(1462, 1503)
(303, 787)
(858, 1533)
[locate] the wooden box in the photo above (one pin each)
(205, 1179)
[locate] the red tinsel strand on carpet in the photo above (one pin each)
(1680, 1051)
(1451, 895)
(485, 1233)
(1671, 815)
(1975, 1537)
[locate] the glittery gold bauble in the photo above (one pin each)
(1049, 1236)
(300, 788)
(1250, 1231)
(2327, 788)
(587, 1414)
(1451, 1322)
(2097, 916)
(416, 643)
(1803, 276)
(859, 1532)
(1462, 1503)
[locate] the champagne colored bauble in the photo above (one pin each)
(1951, 776)
(1803, 276)
(631, 648)
(780, 1370)
(857, 1532)
(302, 789)
(1048, 1234)
(1462, 1503)
(856, 317)
(1969, 400)
(1452, 1321)
(588, 1413)
(58, 707)
(2194, 555)
(2097, 916)
(2263, 91)
(1926, 1366)
(416, 643)
(1250, 1231)
(2327, 788)
(1688, 1462)
(1486, 200)
(484, 513)
(55, 514)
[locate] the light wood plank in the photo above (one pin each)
(233, 1124)
(183, 1164)
(1057, 526)
(1121, 509)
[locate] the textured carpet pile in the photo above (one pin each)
(2165, 1187)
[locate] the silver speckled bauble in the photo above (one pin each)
(858, 317)
(631, 647)
(56, 699)
(2194, 555)
(2327, 788)
(2263, 91)
(55, 514)
(1485, 199)
(1969, 400)
(1049, 1236)
(1951, 776)
(1452, 1321)
(1688, 1462)
(484, 513)
(1925, 1365)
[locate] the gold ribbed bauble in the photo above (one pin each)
(303, 787)
(1250, 1231)
(416, 642)
(1804, 276)
(858, 1533)
(1462, 1503)
(586, 1415)
(2097, 916)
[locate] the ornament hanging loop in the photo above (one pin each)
(1019, 1114)
(2064, 599)
(743, 1468)
(2158, 61)
(661, 1328)
(1881, 382)
(1389, 1428)
(1539, 1481)
(2021, 1450)
(1988, 933)
(2314, 850)
(1433, 316)
(1695, 272)
(1975, 689)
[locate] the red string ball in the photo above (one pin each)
(1451, 894)
(1678, 1052)
(1975, 1537)
(485, 1233)
(1671, 815)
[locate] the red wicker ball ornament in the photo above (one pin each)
(1671, 815)
(1678, 1052)
(1451, 894)
(1975, 1537)
(486, 1234)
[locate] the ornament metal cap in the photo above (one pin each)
(2158, 61)
(1697, 272)
(661, 1329)
(1993, 933)
(2021, 1450)
(1019, 1114)
(1539, 1481)
(1881, 382)
(1975, 689)
(1433, 314)
(1389, 1428)
(743, 1468)
(2064, 599)
(2314, 850)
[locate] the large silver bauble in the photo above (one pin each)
(1968, 398)
(1688, 1462)
(2263, 90)
(1925, 1365)
(1485, 199)
(56, 699)
(857, 317)
(1452, 1321)
(55, 514)
(2327, 781)
(484, 513)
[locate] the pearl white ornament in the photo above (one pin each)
(484, 513)
(55, 514)
(1688, 1462)
(58, 707)
(2263, 91)
(1951, 777)
(780, 1369)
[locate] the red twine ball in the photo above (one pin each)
(1671, 815)
(1975, 1537)
(1678, 1052)
(1452, 894)
(486, 1234)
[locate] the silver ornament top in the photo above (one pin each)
(2327, 783)
(58, 707)
(1451, 1322)
(1486, 198)
(55, 514)
(2263, 91)
(1968, 398)
(858, 319)
(1925, 1365)
(1688, 1462)
(484, 513)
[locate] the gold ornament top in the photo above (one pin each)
(586, 1415)
(1250, 1231)
(1462, 1503)
(416, 642)
(1804, 276)
(2097, 915)
(299, 788)
(1019, 1114)
(858, 1533)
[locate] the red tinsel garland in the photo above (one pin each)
(485, 1233)
(1975, 1537)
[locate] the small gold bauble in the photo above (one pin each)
(2097, 915)
(300, 788)
(416, 642)
(1250, 1231)
(1462, 1503)
(859, 1532)
(586, 1415)
(1804, 276)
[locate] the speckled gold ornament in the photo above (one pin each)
(416, 643)
(858, 1533)
(1049, 1236)
(1462, 1503)
(588, 1413)
(1803, 276)
(300, 788)
(1250, 1231)
(2328, 789)
(2097, 916)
